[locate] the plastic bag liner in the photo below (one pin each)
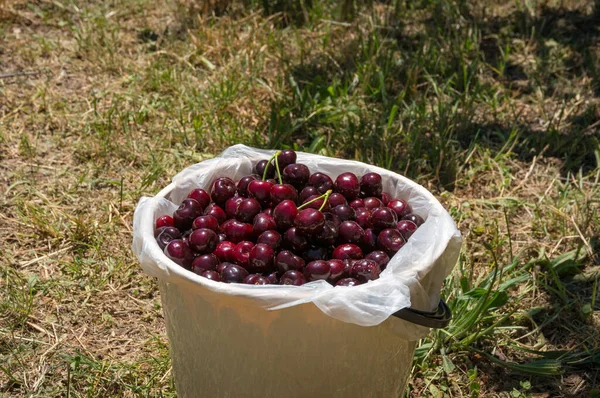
(413, 277)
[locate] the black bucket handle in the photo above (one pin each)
(437, 319)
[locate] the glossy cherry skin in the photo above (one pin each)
(233, 274)
(285, 158)
(385, 198)
(215, 211)
(344, 212)
(222, 189)
(390, 241)
(328, 236)
(203, 240)
(273, 278)
(222, 266)
(165, 221)
(371, 184)
(369, 240)
(261, 258)
(271, 238)
(316, 270)
(178, 251)
(356, 203)
(201, 196)
(365, 270)
(281, 192)
(166, 235)
(242, 252)
(336, 270)
(418, 220)
(222, 237)
(247, 210)
(332, 218)
(347, 184)
(260, 190)
(284, 214)
(268, 211)
(292, 277)
(208, 222)
(380, 257)
(263, 222)
(225, 251)
(400, 207)
(347, 251)
(212, 275)
(406, 228)
(309, 221)
(205, 262)
(306, 193)
(372, 202)
(382, 218)
(242, 185)
(259, 168)
(351, 232)
(336, 199)
(256, 279)
(286, 261)
(321, 181)
(236, 231)
(184, 216)
(363, 217)
(231, 205)
(294, 240)
(296, 174)
(348, 282)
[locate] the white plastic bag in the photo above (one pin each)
(413, 277)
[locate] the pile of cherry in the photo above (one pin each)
(284, 225)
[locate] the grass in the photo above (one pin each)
(493, 106)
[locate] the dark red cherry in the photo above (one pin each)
(379, 257)
(286, 157)
(348, 282)
(344, 212)
(236, 231)
(263, 222)
(309, 221)
(316, 270)
(294, 240)
(242, 252)
(185, 214)
(212, 275)
(371, 184)
(165, 221)
(273, 278)
(215, 211)
(400, 207)
(205, 262)
(365, 270)
(201, 196)
(382, 218)
(262, 258)
(306, 193)
(203, 240)
(336, 199)
(363, 217)
(242, 185)
(247, 209)
(296, 174)
(284, 214)
(390, 241)
(225, 251)
(316, 203)
(328, 236)
(281, 192)
(337, 269)
(292, 277)
(385, 198)
(208, 222)
(231, 205)
(351, 232)
(233, 274)
(357, 203)
(260, 190)
(406, 228)
(178, 251)
(256, 279)
(372, 202)
(259, 168)
(286, 260)
(347, 251)
(347, 184)
(222, 189)
(166, 235)
(271, 238)
(414, 218)
(369, 241)
(321, 181)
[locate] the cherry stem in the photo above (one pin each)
(268, 163)
(325, 196)
(277, 166)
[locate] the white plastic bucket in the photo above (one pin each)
(232, 340)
